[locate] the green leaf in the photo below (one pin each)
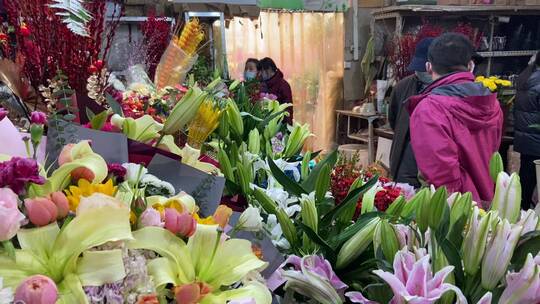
(354, 228)
(9, 248)
(454, 258)
(379, 292)
(528, 243)
(114, 105)
(99, 120)
(350, 200)
(309, 183)
(322, 184)
(267, 120)
(89, 113)
(287, 183)
(396, 206)
(330, 253)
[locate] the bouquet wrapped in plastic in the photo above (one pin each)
(180, 55)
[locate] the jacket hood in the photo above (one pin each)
(470, 102)
(276, 78)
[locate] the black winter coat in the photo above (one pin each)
(403, 166)
(527, 113)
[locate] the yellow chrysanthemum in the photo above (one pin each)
(480, 78)
(204, 221)
(84, 189)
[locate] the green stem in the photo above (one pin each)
(27, 146)
(159, 140)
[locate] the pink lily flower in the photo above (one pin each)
(524, 286)
(413, 282)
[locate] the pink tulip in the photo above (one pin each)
(41, 211)
(180, 223)
(37, 289)
(191, 293)
(61, 202)
(150, 217)
(413, 282)
(38, 118)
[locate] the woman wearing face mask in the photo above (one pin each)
(250, 69)
(274, 83)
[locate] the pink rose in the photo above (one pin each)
(41, 211)
(37, 289)
(8, 198)
(150, 217)
(180, 223)
(10, 223)
(10, 214)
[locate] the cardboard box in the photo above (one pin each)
(371, 3)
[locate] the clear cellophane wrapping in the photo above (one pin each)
(173, 66)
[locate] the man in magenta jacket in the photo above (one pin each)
(456, 123)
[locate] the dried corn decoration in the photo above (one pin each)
(204, 123)
(180, 55)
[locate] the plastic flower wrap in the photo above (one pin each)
(179, 56)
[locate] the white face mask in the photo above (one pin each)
(250, 75)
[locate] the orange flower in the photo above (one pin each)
(222, 216)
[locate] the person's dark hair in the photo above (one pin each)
(537, 61)
(253, 60)
(450, 53)
(267, 64)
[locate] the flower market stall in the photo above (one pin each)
(183, 191)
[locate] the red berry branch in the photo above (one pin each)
(156, 36)
(48, 45)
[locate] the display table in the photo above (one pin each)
(365, 136)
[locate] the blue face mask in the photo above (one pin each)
(250, 75)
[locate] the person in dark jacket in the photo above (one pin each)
(274, 83)
(402, 162)
(527, 138)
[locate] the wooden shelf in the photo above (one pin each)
(507, 53)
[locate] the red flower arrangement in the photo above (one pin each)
(344, 175)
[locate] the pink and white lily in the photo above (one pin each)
(523, 287)
(413, 282)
